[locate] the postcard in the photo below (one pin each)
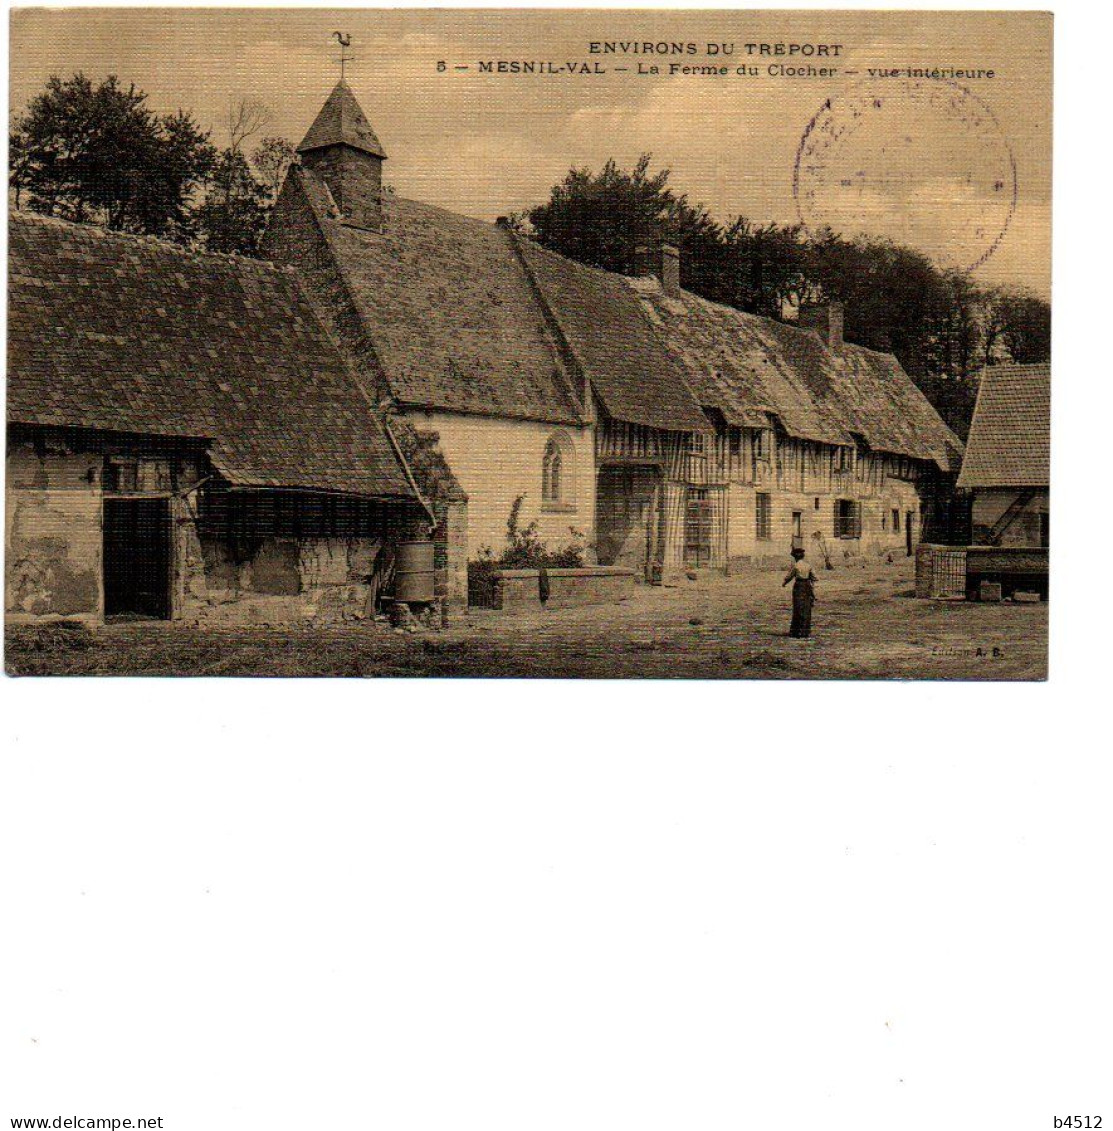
(529, 343)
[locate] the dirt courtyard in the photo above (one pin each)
(867, 625)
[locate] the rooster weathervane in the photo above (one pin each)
(345, 42)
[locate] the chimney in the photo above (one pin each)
(342, 149)
(659, 257)
(825, 318)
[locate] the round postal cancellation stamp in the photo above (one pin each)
(922, 160)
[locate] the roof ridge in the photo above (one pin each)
(1015, 366)
(142, 239)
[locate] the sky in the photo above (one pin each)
(960, 169)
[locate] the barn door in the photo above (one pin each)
(137, 558)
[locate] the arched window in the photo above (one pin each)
(557, 488)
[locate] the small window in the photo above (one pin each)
(797, 524)
(1045, 530)
(735, 442)
(697, 445)
(844, 459)
(896, 521)
(121, 475)
(761, 443)
(884, 521)
(764, 516)
(847, 519)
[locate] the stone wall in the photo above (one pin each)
(450, 554)
(495, 461)
(591, 585)
(52, 534)
(525, 590)
(284, 579)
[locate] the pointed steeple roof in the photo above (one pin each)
(342, 122)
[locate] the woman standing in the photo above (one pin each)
(802, 576)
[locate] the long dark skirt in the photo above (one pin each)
(803, 597)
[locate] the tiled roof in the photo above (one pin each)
(342, 122)
(1010, 436)
(134, 335)
(454, 322)
(599, 316)
(466, 317)
(751, 368)
(742, 365)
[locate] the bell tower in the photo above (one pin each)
(341, 147)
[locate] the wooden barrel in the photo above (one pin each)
(413, 572)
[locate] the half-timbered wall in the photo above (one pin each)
(747, 494)
(785, 490)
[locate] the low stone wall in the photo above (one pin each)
(589, 585)
(350, 601)
(515, 590)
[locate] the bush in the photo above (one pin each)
(524, 550)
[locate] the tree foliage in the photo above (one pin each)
(233, 215)
(271, 160)
(96, 153)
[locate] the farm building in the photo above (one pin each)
(807, 439)
(1007, 470)
(185, 440)
(670, 431)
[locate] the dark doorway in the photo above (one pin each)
(908, 516)
(137, 558)
(626, 506)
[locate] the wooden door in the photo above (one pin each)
(698, 523)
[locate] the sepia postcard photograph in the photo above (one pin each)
(581, 479)
(526, 343)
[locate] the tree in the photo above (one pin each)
(764, 268)
(272, 159)
(244, 118)
(1023, 325)
(940, 326)
(597, 219)
(233, 215)
(97, 154)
